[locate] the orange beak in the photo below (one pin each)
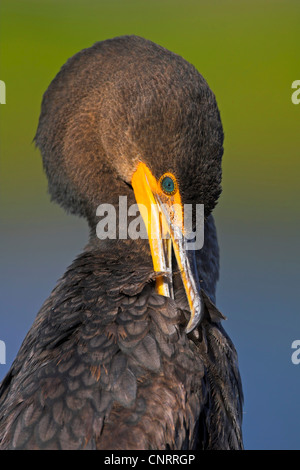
(163, 218)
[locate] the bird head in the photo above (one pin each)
(128, 117)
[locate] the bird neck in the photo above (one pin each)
(118, 248)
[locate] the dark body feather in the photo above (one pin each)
(107, 363)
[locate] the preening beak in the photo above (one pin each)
(163, 218)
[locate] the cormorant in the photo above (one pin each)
(128, 352)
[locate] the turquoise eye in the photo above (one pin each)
(168, 185)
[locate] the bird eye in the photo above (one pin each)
(168, 184)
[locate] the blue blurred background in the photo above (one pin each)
(249, 53)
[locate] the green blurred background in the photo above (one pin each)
(248, 51)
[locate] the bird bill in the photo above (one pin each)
(164, 225)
